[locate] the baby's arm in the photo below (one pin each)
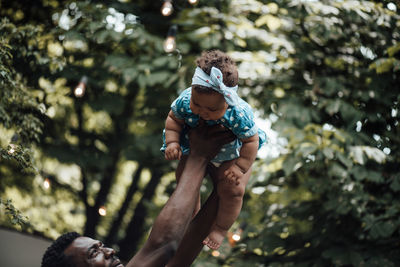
(173, 128)
(248, 154)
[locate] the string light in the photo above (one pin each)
(236, 237)
(167, 8)
(192, 2)
(46, 183)
(11, 149)
(102, 211)
(215, 253)
(169, 43)
(79, 90)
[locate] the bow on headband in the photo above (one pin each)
(215, 81)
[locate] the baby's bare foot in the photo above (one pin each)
(215, 238)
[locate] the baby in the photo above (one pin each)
(213, 98)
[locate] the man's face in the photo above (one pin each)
(87, 252)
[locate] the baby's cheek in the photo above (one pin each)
(191, 106)
(194, 110)
(218, 115)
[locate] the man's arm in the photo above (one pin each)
(172, 222)
(173, 219)
(198, 229)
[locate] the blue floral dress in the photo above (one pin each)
(239, 119)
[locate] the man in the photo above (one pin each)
(169, 228)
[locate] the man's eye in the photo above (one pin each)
(94, 252)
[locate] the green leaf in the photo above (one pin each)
(383, 65)
(382, 229)
(110, 102)
(349, 113)
(161, 61)
(357, 154)
(375, 154)
(307, 149)
(74, 36)
(337, 170)
(356, 259)
(359, 172)
(375, 177)
(118, 62)
(328, 152)
(395, 184)
(288, 165)
(158, 77)
(333, 106)
(338, 255)
(393, 49)
(129, 74)
(344, 160)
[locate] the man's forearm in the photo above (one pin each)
(197, 231)
(172, 222)
(178, 211)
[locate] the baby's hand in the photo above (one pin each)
(173, 151)
(233, 174)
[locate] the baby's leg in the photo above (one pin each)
(230, 204)
(178, 174)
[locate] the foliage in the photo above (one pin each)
(16, 218)
(19, 110)
(327, 72)
(332, 194)
(119, 119)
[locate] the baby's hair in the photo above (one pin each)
(220, 60)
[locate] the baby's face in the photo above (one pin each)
(208, 106)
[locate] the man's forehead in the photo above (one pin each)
(80, 245)
(84, 242)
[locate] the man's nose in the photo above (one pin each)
(108, 252)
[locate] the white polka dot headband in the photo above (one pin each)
(215, 81)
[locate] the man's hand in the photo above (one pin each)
(173, 151)
(206, 141)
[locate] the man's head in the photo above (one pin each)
(71, 249)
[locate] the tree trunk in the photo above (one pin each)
(93, 216)
(112, 233)
(134, 232)
(115, 143)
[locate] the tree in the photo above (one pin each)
(325, 71)
(128, 89)
(334, 97)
